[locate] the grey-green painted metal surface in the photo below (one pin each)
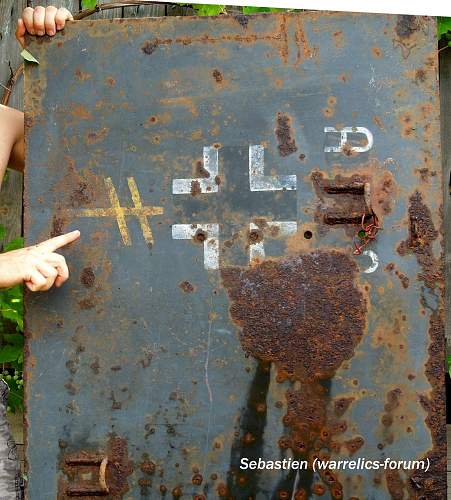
(219, 170)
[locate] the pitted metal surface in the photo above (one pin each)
(221, 171)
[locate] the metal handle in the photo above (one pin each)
(81, 490)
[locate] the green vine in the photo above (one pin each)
(11, 334)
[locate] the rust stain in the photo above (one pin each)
(422, 235)
(407, 30)
(150, 47)
(353, 445)
(82, 195)
(304, 51)
(395, 485)
(186, 287)
(285, 311)
(329, 111)
(391, 268)
(187, 102)
(378, 122)
(243, 20)
(93, 137)
(80, 112)
(384, 194)
(147, 466)
(338, 39)
(284, 49)
(284, 135)
(341, 405)
(82, 76)
(195, 188)
(58, 224)
(87, 277)
(217, 75)
(87, 303)
(377, 52)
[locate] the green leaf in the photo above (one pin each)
(10, 313)
(2, 231)
(254, 10)
(10, 353)
(28, 57)
(444, 26)
(15, 400)
(14, 338)
(208, 10)
(14, 245)
(88, 4)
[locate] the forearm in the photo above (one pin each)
(11, 139)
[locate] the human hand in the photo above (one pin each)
(41, 21)
(38, 266)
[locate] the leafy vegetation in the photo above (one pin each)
(207, 9)
(444, 30)
(11, 335)
(201, 9)
(88, 4)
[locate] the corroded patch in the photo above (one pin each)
(306, 315)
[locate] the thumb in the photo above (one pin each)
(20, 32)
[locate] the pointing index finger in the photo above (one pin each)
(59, 241)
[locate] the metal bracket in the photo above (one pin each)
(354, 188)
(83, 489)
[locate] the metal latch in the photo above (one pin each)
(337, 216)
(85, 487)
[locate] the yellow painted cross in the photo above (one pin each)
(119, 212)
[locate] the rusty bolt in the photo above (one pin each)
(200, 236)
(177, 492)
(318, 489)
(248, 438)
(197, 479)
(222, 490)
(255, 236)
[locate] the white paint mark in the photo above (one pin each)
(372, 82)
(211, 242)
(258, 181)
(206, 184)
(257, 249)
(344, 139)
(375, 261)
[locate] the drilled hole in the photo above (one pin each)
(308, 235)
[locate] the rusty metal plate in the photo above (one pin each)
(219, 170)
